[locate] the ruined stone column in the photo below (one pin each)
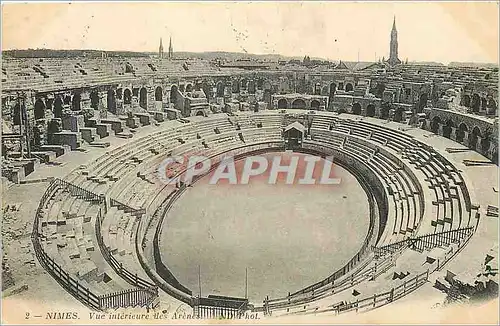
(440, 130)
(453, 134)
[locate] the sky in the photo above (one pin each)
(427, 31)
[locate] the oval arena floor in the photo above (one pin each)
(277, 231)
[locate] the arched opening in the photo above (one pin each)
(298, 104)
(317, 89)
(370, 110)
(484, 103)
(349, 87)
(39, 109)
(473, 137)
(127, 96)
(333, 89)
(111, 101)
(485, 144)
(436, 121)
(282, 104)
(75, 102)
(119, 93)
(173, 93)
(189, 88)
(220, 89)
(236, 87)
(94, 99)
(447, 128)
(324, 91)
(182, 88)
(466, 101)
(492, 106)
(158, 94)
(58, 107)
(315, 104)
(398, 115)
(143, 98)
(244, 83)
(384, 112)
(200, 114)
(422, 102)
(260, 84)
(476, 103)
(251, 87)
(67, 100)
(356, 108)
(462, 129)
(208, 90)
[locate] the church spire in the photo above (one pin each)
(393, 54)
(160, 50)
(170, 49)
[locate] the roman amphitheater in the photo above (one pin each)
(88, 222)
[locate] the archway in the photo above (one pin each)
(476, 103)
(200, 114)
(236, 87)
(398, 115)
(333, 89)
(298, 104)
(282, 104)
(94, 99)
(349, 87)
(324, 91)
(356, 108)
(370, 110)
(315, 104)
(447, 128)
(220, 89)
(466, 101)
(189, 88)
(473, 137)
(127, 96)
(462, 129)
(317, 89)
(39, 109)
(58, 107)
(422, 102)
(158, 94)
(67, 100)
(251, 87)
(111, 101)
(173, 93)
(260, 84)
(491, 106)
(243, 83)
(384, 112)
(484, 103)
(143, 98)
(76, 102)
(119, 93)
(485, 144)
(436, 121)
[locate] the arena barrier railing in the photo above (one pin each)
(145, 295)
(336, 282)
(376, 300)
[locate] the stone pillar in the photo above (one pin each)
(440, 129)
(465, 141)
(453, 133)
(478, 145)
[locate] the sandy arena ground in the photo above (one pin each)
(288, 236)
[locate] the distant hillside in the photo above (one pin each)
(49, 53)
(230, 56)
(473, 64)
